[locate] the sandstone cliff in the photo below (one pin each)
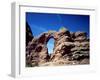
(29, 35)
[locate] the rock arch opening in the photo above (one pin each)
(50, 45)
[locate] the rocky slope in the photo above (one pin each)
(69, 49)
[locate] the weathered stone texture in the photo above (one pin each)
(69, 48)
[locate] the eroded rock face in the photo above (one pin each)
(69, 48)
(37, 50)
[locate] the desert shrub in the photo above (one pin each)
(62, 28)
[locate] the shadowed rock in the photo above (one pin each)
(29, 35)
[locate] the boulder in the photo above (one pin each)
(79, 33)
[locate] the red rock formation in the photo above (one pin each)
(69, 48)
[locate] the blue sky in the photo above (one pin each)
(43, 22)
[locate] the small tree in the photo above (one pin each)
(62, 28)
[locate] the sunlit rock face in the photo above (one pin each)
(69, 48)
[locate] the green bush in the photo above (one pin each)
(62, 28)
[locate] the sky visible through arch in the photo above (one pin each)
(43, 22)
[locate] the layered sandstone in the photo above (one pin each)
(69, 48)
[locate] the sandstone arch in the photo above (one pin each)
(69, 48)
